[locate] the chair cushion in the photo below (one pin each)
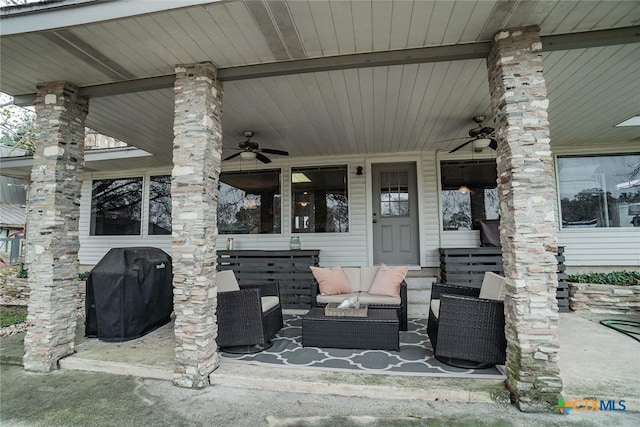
(325, 299)
(226, 281)
(331, 281)
(268, 303)
(353, 277)
(387, 281)
(435, 307)
(492, 287)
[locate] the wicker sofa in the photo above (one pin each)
(360, 279)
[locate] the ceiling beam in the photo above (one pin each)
(459, 52)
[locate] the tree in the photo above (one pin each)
(17, 125)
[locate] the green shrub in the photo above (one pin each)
(621, 278)
(23, 273)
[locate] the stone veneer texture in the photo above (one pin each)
(604, 299)
(528, 224)
(197, 149)
(52, 214)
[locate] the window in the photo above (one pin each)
(116, 207)
(600, 191)
(249, 202)
(394, 194)
(319, 199)
(469, 194)
(160, 205)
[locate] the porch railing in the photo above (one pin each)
(466, 267)
(289, 268)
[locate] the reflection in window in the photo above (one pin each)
(320, 201)
(116, 207)
(600, 191)
(394, 193)
(160, 205)
(249, 202)
(469, 194)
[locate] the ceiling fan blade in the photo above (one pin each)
(487, 130)
(232, 156)
(493, 144)
(272, 151)
(263, 158)
(461, 146)
(451, 139)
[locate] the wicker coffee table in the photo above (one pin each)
(378, 331)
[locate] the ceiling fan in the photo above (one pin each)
(251, 150)
(481, 137)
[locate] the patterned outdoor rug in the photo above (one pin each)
(414, 358)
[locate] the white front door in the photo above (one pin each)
(395, 214)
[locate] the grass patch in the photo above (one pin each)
(12, 315)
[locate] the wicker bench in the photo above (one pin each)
(378, 331)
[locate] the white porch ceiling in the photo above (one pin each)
(365, 110)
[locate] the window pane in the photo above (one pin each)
(320, 205)
(160, 205)
(469, 194)
(394, 188)
(600, 191)
(249, 202)
(116, 207)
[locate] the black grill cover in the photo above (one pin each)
(129, 293)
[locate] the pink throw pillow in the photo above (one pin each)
(332, 282)
(387, 281)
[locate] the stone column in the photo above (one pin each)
(52, 225)
(526, 191)
(197, 150)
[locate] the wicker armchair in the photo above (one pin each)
(467, 328)
(248, 315)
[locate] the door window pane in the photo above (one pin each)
(116, 207)
(469, 194)
(600, 191)
(160, 205)
(394, 193)
(319, 199)
(249, 202)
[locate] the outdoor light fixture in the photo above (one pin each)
(359, 170)
(464, 189)
(248, 155)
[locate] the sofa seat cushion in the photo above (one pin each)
(325, 299)
(366, 298)
(268, 303)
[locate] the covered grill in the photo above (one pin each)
(129, 293)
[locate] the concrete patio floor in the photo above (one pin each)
(595, 362)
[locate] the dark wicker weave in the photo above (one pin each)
(401, 309)
(241, 321)
(469, 329)
(378, 331)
